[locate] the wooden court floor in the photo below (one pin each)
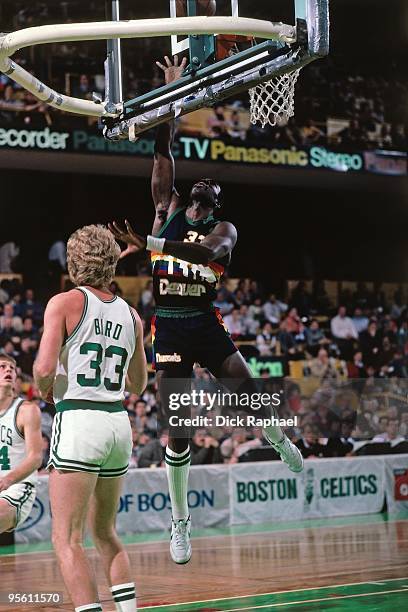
(358, 563)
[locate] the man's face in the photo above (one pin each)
(392, 428)
(203, 198)
(199, 437)
(8, 310)
(342, 311)
(8, 373)
(140, 409)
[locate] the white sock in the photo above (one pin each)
(177, 468)
(124, 596)
(93, 607)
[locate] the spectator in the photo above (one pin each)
(344, 332)
(391, 434)
(217, 125)
(356, 368)
(57, 256)
(25, 360)
(311, 134)
(370, 342)
(236, 128)
(9, 252)
(309, 444)
(223, 304)
(324, 367)
(343, 445)
(10, 322)
(142, 421)
(204, 448)
(315, 337)
(360, 321)
(234, 324)
(291, 323)
(273, 309)
(266, 340)
(152, 455)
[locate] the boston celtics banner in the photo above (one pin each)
(396, 489)
(249, 493)
(326, 487)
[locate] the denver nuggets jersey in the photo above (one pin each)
(95, 358)
(12, 445)
(180, 287)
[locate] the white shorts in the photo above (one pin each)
(21, 496)
(91, 441)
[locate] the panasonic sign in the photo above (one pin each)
(32, 139)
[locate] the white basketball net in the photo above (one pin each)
(273, 102)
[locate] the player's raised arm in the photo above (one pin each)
(165, 197)
(218, 244)
(136, 379)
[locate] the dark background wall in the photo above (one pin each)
(283, 232)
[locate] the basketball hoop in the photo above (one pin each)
(273, 102)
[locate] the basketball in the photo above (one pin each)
(204, 8)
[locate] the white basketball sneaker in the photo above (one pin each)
(180, 546)
(289, 453)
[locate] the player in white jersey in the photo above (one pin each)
(91, 350)
(20, 450)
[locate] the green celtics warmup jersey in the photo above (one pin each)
(94, 360)
(180, 287)
(12, 445)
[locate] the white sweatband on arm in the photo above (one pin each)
(155, 244)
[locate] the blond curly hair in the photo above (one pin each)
(92, 256)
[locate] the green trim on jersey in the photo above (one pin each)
(85, 309)
(169, 220)
(7, 409)
(20, 433)
(80, 404)
(205, 221)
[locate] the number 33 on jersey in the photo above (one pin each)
(92, 367)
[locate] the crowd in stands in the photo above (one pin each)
(345, 364)
(337, 103)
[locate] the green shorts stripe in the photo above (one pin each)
(69, 468)
(18, 503)
(115, 475)
(81, 404)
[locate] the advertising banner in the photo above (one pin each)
(326, 487)
(396, 487)
(210, 149)
(249, 493)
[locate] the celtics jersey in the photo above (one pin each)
(180, 287)
(12, 445)
(94, 359)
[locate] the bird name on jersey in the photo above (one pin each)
(107, 328)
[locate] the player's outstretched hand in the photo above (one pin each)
(134, 241)
(172, 71)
